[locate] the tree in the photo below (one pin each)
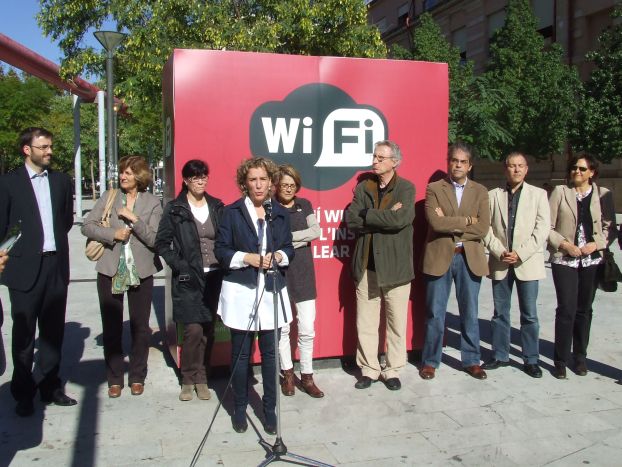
(473, 101)
(156, 27)
(60, 122)
(599, 125)
(539, 91)
(24, 101)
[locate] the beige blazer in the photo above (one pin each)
(148, 209)
(563, 205)
(531, 230)
(444, 232)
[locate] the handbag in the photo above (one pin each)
(94, 249)
(608, 273)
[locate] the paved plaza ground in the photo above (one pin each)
(509, 419)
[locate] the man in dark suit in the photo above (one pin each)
(38, 273)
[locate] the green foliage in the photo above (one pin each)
(599, 125)
(473, 101)
(156, 27)
(539, 91)
(24, 101)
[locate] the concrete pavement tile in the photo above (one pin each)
(582, 403)
(612, 417)
(511, 411)
(614, 396)
(563, 424)
(468, 437)
(409, 447)
(598, 454)
(480, 456)
(542, 451)
(475, 416)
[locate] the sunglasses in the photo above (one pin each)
(576, 167)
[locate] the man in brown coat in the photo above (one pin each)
(459, 218)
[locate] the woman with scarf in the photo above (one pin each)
(126, 267)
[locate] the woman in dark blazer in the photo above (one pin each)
(185, 240)
(127, 266)
(245, 247)
(582, 226)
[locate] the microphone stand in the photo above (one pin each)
(279, 451)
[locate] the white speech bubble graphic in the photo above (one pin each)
(357, 129)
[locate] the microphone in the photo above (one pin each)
(267, 206)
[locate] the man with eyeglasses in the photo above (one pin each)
(458, 220)
(520, 226)
(381, 214)
(38, 273)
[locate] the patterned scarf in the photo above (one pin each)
(126, 275)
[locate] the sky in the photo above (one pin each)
(17, 20)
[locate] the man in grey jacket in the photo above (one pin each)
(381, 214)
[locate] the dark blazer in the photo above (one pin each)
(237, 233)
(18, 203)
(177, 241)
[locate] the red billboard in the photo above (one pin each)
(322, 115)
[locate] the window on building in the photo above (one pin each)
(495, 21)
(381, 24)
(459, 40)
(429, 4)
(544, 11)
(402, 13)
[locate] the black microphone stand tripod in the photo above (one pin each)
(278, 451)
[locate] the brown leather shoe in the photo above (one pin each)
(114, 391)
(307, 385)
(288, 384)
(476, 372)
(427, 372)
(137, 389)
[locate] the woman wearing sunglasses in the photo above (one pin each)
(582, 226)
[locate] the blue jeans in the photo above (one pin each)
(501, 325)
(241, 345)
(437, 295)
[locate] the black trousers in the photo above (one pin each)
(575, 289)
(44, 305)
(111, 308)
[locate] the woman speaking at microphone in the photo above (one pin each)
(246, 244)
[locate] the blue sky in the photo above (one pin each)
(17, 20)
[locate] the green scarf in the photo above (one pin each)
(126, 275)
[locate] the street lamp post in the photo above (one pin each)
(110, 40)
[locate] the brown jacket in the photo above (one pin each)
(444, 232)
(148, 209)
(563, 204)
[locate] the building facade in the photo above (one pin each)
(470, 24)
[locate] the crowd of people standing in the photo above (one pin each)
(226, 262)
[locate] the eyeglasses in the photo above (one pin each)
(198, 180)
(45, 147)
(578, 167)
(287, 186)
(381, 158)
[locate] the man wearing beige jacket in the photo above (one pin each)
(520, 225)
